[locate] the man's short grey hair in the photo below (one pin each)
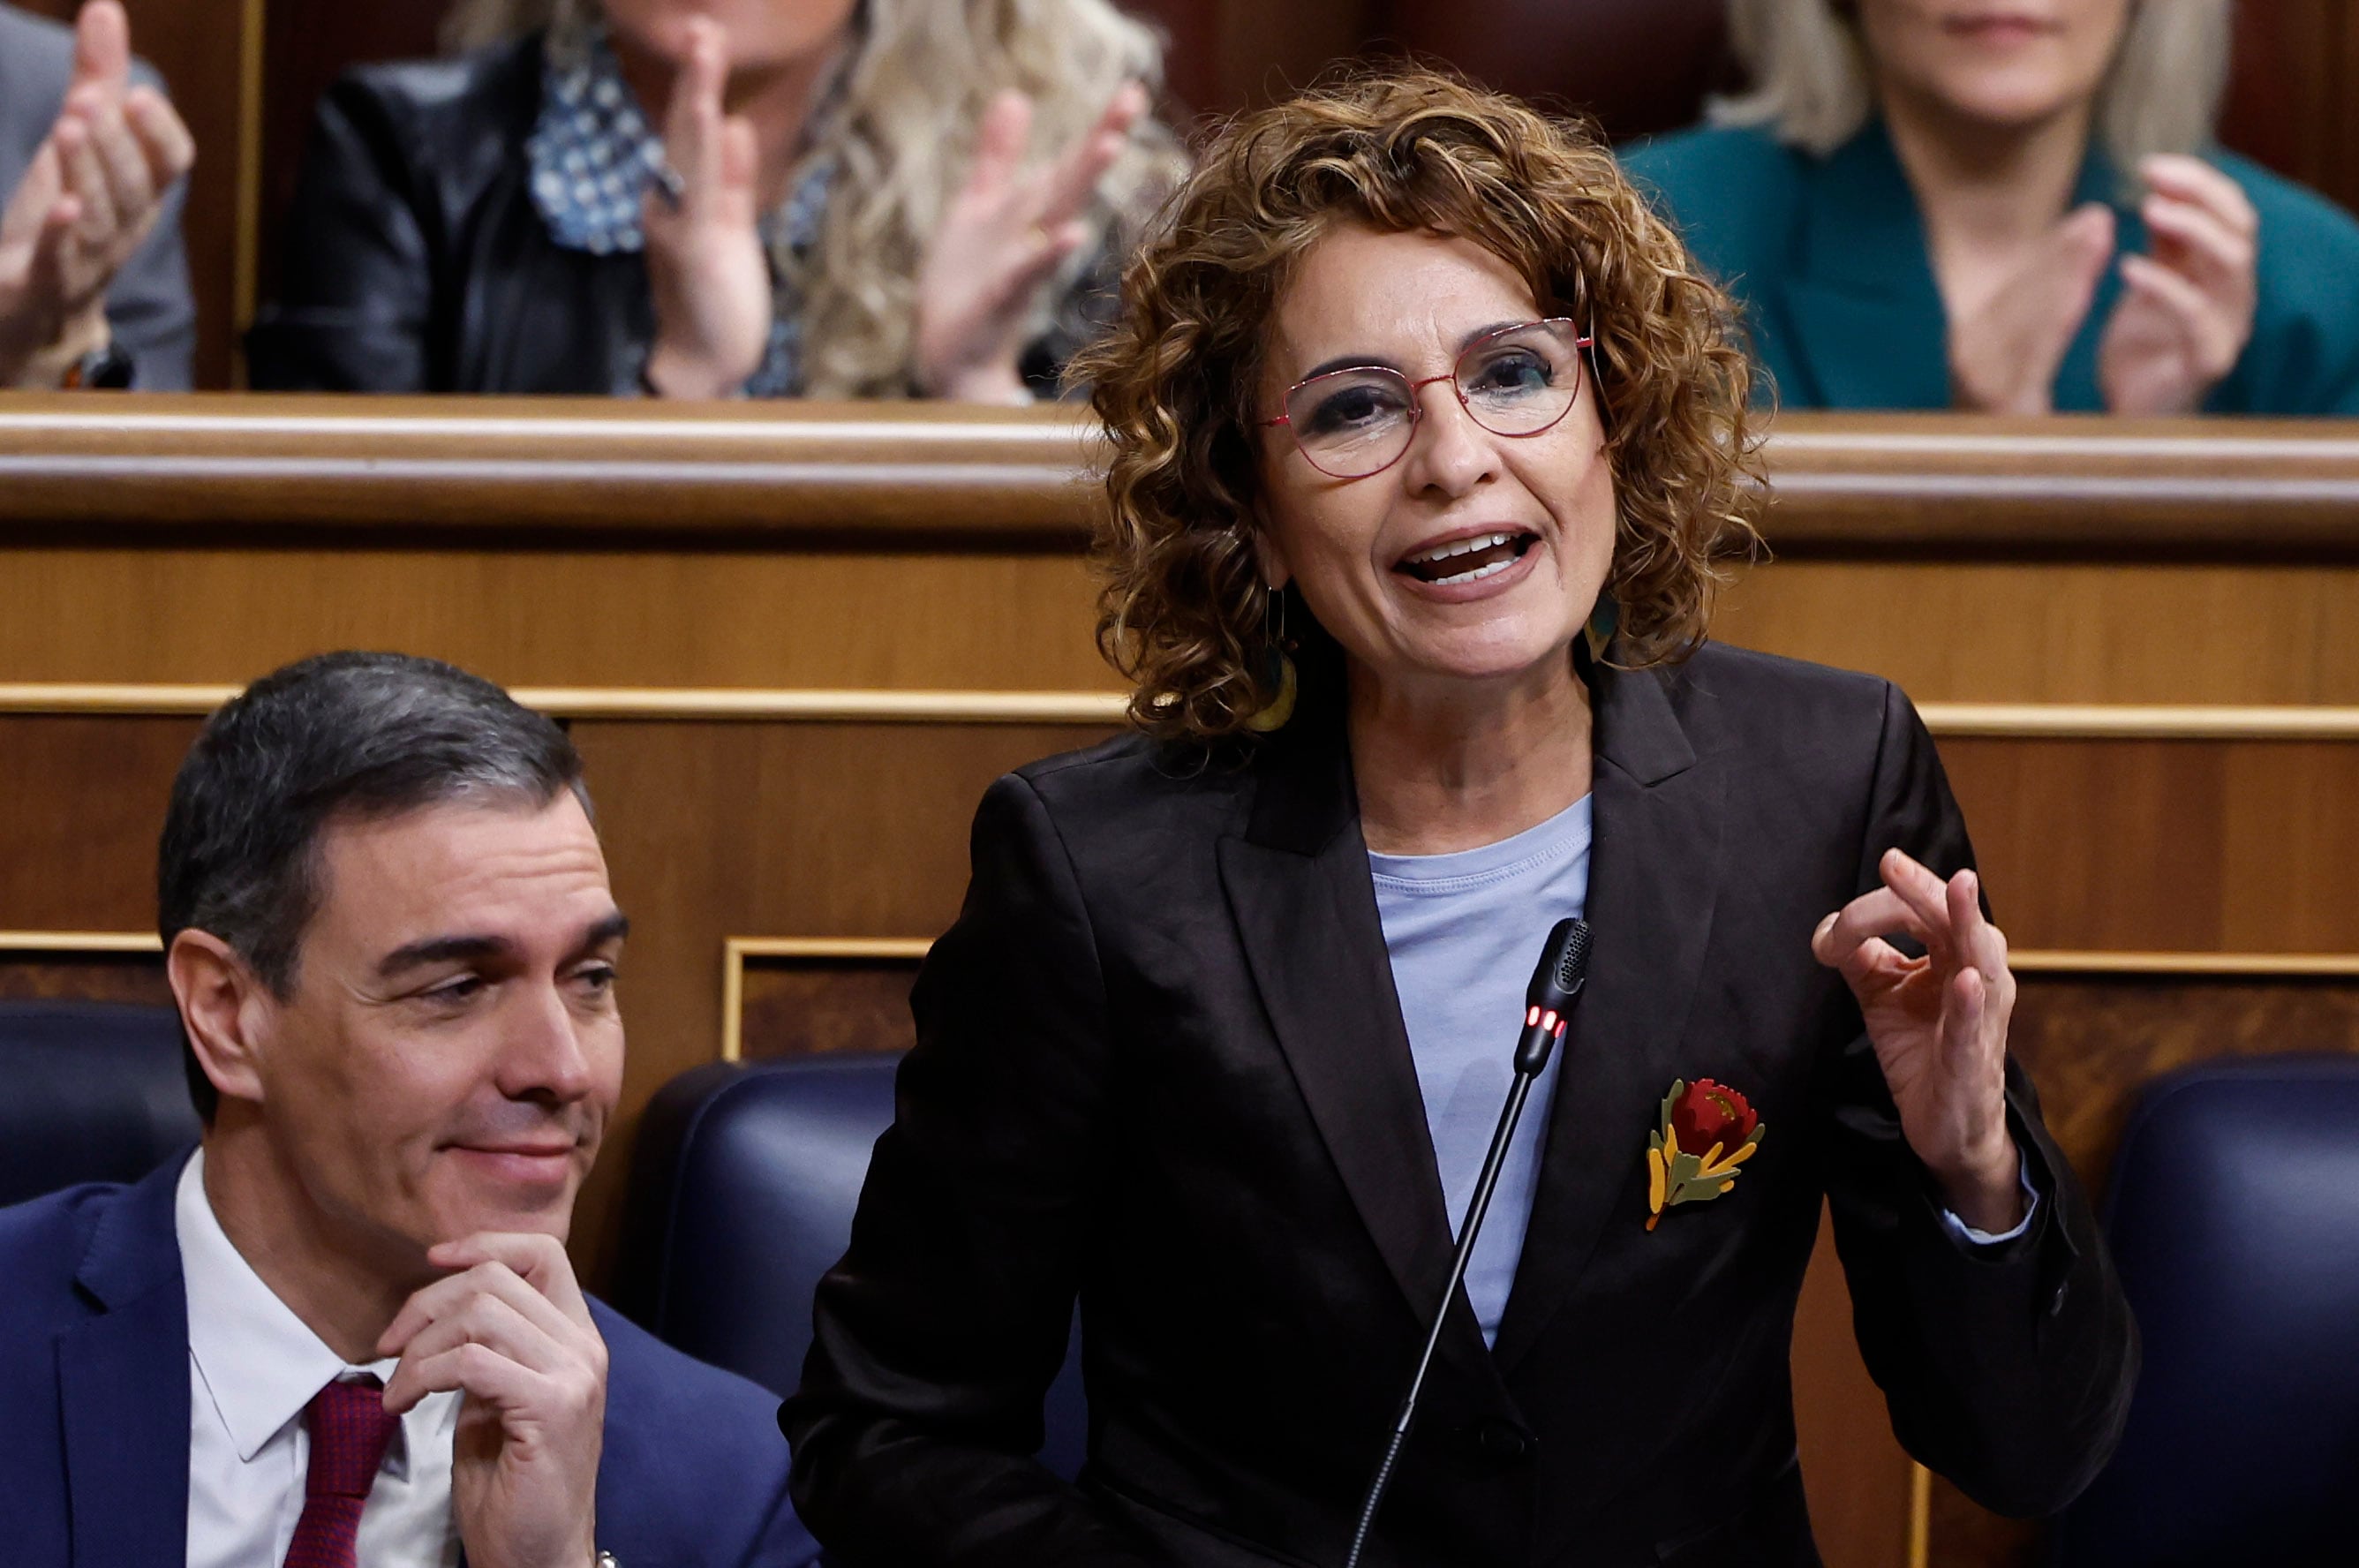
(1812, 89)
(338, 737)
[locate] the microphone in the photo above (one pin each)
(1564, 969)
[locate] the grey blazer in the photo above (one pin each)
(149, 307)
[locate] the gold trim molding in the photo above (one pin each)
(80, 942)
(2027, 721)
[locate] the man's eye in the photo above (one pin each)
(463, 988)
(598, 979)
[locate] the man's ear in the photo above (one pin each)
(223, 1006)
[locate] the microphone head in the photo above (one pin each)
(1563, 967)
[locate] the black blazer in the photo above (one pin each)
(1160, 1066)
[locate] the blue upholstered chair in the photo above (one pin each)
(2233, 1214)
(89, 1092)
(742, 1188)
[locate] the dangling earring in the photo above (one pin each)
(1278, 676)
(1603, 621)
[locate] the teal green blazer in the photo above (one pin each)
(1829, 260)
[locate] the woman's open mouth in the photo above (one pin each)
(1471, 560)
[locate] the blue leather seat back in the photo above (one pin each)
(2234, 1215)
(89, 1092)
(743, 1188)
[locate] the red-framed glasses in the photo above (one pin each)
(1517, 381)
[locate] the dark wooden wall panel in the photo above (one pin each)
(37, 974)
(81, 800)
(2164, 845)
(797, 1007)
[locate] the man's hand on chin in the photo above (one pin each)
(511, 1331)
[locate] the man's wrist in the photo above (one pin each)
(48, 368)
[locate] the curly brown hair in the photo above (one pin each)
(1182, 611)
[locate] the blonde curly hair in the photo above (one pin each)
(899, 125)
(1181, 610)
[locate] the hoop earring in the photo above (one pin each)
(1278, 677)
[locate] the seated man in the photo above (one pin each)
(94, 277)
(389, 929)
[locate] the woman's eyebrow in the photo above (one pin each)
(1378, 361)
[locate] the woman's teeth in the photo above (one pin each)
(1467, 560)
(1476, 575)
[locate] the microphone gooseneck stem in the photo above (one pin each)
(1509, 1113)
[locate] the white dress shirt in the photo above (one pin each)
(253, 1366)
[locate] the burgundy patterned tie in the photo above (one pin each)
(349, 1429)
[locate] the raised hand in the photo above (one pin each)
(2003, 355)
(1938, 1026)
(2186, 312)
(706, 267)
(999, 242)
(511, 1331)
(86, 204)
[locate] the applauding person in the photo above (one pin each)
(764, 198)
(93, 281)
(344, 1332)
(1934, 204)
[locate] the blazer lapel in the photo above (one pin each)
(1298, 888)
(1652, 885)
(122, 1387)
(1863, 316)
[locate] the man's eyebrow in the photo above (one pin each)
(1378, 361)
(612, 928)
(439, 950)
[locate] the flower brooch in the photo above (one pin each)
(1708, 1132)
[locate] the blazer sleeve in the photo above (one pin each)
(937, 1337)
(356, 288)
(2006, 1368)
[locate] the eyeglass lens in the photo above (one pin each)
(1351, 424)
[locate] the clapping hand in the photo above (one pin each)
(85, 204)
(1000, 238)
(2186, 312)
(706, 267)
(1938, 1028)
(510, 1329)
(2004, 356)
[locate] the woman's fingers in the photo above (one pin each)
(2203, 245)
(1925, 895)
(85, 180)
(2192, 179)
(1874, 914)
(102, 45)
(999, 145)
(692, 123)
(130, 182)
(163, 136)
(1070, 181)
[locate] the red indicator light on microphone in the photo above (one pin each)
(1531, 1018)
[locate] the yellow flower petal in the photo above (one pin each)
(1724, 1186)
(1654, 1181)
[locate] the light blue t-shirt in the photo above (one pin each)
(1464, 932)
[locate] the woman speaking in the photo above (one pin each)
(1424, 437)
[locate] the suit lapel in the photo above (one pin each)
(1863, 316)
(122, 1387)
(1298, 888)
(1657, 810)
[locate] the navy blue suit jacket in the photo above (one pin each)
(94, 1388)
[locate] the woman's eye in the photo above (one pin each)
(1352, 410)
(1519, 370)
